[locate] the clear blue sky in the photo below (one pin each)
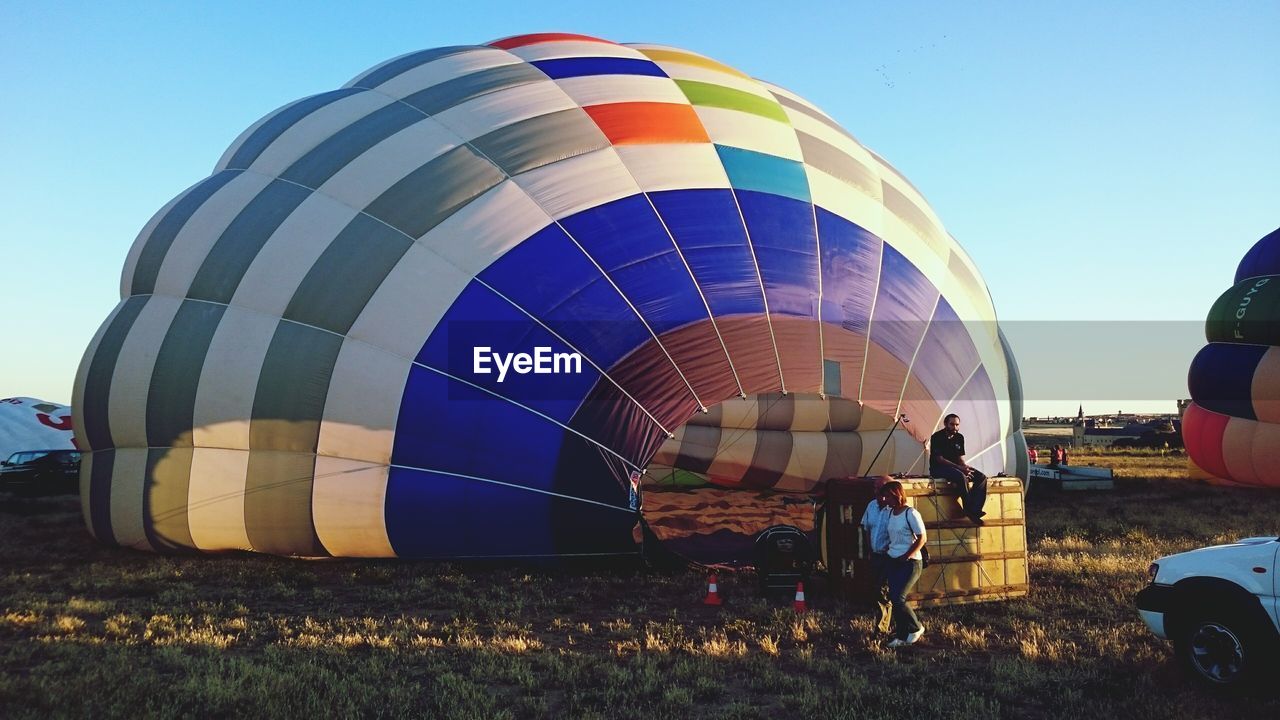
(1098, 162)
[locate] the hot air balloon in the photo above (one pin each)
(456, 307)
(1232, 427)
(31, 424)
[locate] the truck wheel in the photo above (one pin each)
(1221, 649)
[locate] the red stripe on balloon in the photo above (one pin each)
(1202, 432)
(521, 40)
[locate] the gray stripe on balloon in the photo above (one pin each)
(275, 125)
(837, 163)
(288, 408)
(157, 244)
(398, 66)
(176, 377)
(910, 213)
(813, 113)
(101, 469)
(233, 252)
(451, 93)
(97, 386)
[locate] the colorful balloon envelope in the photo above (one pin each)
(1232, 427)
(456, 307)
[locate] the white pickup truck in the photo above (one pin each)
(1219, 606)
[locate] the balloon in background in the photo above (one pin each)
(1232, 427)
(456, 307)
(31, 424)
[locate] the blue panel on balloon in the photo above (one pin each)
(1221, 378)
(599, 323)
(850, 271)
(1262, 259)
(628, 240)
(577, 67)
(485, 340)
(447, 425)
(904, 298)
(585, 470)
(619, 233)
(707, 226)
(435, 515)
(946, 356)
(542, 271)
(786, 246)
(668, 304)
(552, 279)
(750, 170)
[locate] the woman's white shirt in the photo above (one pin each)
(903, 530)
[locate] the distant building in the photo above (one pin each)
(1106, 430)
(1182, 406)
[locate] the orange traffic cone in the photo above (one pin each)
(800, 606)
(713, 592)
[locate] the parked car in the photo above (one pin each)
(1219, 606)
(41, 472)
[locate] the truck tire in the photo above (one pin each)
(1223, 648)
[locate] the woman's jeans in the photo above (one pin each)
(902, 574)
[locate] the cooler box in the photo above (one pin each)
(967, 563)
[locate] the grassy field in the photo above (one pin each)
(89, 631)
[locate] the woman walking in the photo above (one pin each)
(906, 537)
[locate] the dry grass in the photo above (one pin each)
(90, 631)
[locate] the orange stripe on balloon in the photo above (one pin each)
(1265, 452)
(648, 123)
(1265, 388)
(516, 41)
(1237, 450)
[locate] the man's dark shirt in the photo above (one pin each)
(950, 448)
